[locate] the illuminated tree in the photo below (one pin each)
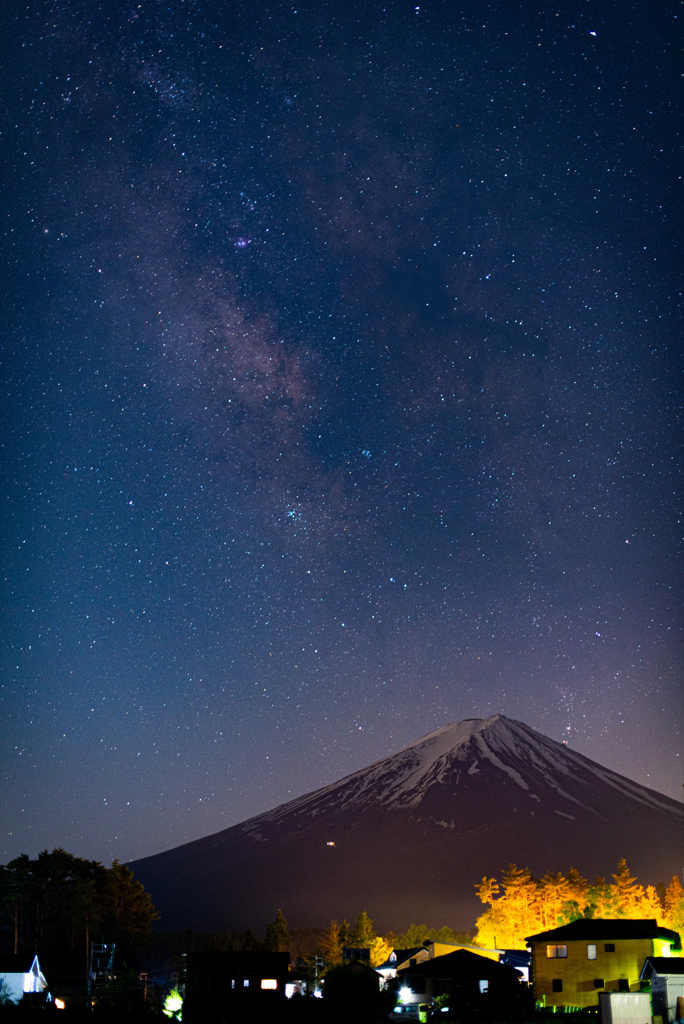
(488, 889)
(379, 951)
(523, 905)
(674, 904)
(627, 893)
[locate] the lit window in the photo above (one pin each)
(269, 983)
(591, 952)
(484, 985)
(556, 951)
(245, 983)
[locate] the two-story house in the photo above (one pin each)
(573, 963)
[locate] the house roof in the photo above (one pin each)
(662, 965)
(461, 963)
(400, 956)
(607, 928)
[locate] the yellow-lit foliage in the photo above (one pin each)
(379, 951)
(523, 905)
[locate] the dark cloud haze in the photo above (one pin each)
(341, 398)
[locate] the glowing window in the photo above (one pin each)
(552, 952)
(484, 985)
(591, 952)
(269, 983)
(245, 983)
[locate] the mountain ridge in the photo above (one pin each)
(451, 797)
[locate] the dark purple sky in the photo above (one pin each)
(340, 398)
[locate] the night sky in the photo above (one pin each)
(340, 398)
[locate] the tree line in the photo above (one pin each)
(57, 904)
(523, 905)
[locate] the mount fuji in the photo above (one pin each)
(408, 837)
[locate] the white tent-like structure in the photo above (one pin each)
(15, 981)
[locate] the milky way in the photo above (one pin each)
(341, 350)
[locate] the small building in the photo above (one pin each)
(218, 982)
(573, 963)
(16, 979)
(625, 1008)
(476, 982)
(398, 959)
(666, 975)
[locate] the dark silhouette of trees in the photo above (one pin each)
(59, 903)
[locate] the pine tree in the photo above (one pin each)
(332, 945)
(363, 935)
(674, 904)
(277, 939)
(628, 894)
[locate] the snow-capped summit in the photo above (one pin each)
(409, 836)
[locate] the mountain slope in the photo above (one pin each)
(413, 832)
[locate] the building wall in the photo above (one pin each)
(665, 992)
(578, 973)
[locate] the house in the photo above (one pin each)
(477, 982)
(666, 975)
(518, 958)
(217, 981)
(402, 958)
(398, 959)
(573, 963)
(16, 979)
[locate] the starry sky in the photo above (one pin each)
(340, 398)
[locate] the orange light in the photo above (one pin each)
(269, 983)
(60, 1004)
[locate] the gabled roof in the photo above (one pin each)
(461, 963)
(602, 928)
(400, 956)
(662, 965)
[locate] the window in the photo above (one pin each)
(623, 985)
(484, 985)
(598, 983)
(556, 951)
(269, 983)
(245, 983)
(591, 952)
(609, 947)
(557, 984)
